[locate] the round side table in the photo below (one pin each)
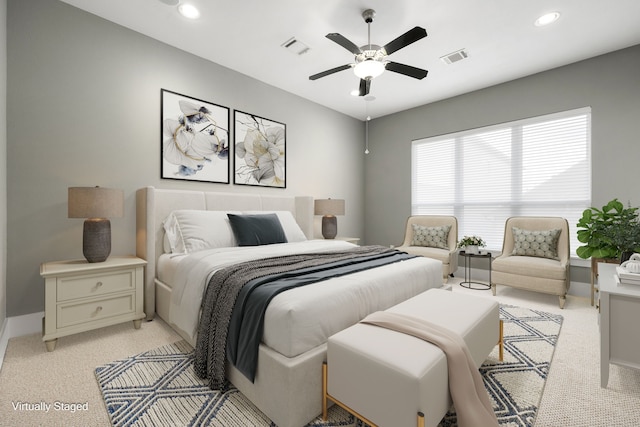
(468, 283)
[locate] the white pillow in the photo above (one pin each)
(173, 241)
(291, 228)
(194, 230)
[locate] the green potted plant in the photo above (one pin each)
(624, 232)
(471, 244)
(609, 232)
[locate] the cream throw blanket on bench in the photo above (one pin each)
(470, 398)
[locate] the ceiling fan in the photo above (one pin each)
(371, 60)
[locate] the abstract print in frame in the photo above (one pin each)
(195, 139)
(260, 153)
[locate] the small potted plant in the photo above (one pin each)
(471, 244)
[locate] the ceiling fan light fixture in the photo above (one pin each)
(368, 69)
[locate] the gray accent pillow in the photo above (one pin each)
(433, 237)
(255, 230)
(538, 243)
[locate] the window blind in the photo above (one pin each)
(539, 166)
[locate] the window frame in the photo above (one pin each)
(516, 206)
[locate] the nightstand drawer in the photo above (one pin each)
(99, 284)
(73, 314)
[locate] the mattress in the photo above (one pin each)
(166, 267)
(302, 318)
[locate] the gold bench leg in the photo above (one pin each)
(326, 397)
(324, 391)
(420, 419)
(501, 341)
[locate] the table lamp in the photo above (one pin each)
(329, 208)
(96, 204)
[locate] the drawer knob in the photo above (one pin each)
(99, 308)
(98, 284)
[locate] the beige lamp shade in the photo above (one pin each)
(329, 207)
(95, 202)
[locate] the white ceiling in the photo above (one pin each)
(499, 35)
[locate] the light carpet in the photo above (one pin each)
(158, 387)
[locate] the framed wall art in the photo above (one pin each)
(195, 139)
(260, 151)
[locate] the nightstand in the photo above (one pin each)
(81, 296)
(619, 312)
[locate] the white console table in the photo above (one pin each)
(619, 317)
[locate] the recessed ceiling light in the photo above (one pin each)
(547, 19)
(189, 11)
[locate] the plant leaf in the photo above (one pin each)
(584, 252)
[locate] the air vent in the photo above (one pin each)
(296, 46)
(456, 56)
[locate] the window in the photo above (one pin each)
(534, 167)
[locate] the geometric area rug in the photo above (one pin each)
(158, 387)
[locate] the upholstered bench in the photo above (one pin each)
(387, 378)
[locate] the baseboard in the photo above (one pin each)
(3, 341)
(579, 289)
(18, 326)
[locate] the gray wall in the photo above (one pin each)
(84, 109)
(610, 84)
(3, 162)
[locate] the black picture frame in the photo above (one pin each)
(194, 141)
(259, 151)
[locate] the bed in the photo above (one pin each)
(288, 382)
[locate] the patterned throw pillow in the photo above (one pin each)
(433, 237)
(543, 244)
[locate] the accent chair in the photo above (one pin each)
(433, 236)
(535, 256)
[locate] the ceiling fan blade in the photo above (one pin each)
(407, 70)
(411, 36)
(365, 87)
(344, 42)
(331, 71)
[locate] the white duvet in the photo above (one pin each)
(302, 318)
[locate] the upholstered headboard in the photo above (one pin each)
(154, 205)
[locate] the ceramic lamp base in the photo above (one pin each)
(329, 226)
(96, 239)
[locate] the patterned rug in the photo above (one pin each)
(158, 387)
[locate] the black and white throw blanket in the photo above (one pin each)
(255, 283)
